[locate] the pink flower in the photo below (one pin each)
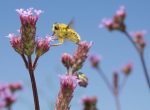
(107, 23)
(120, 15)
(16, 43)
(139, 38)
(95, 60)
(68, 82)
(117, 23)
(67, 60)
(80, 55)
(42, 46)
(29, 16)
(89, 103)
(127, 68)
(15, 86)
(68, 85)
(28, 20)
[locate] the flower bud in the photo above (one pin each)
(16, 43)
(67, 60)
(42, 46)
(95, 60)
(89, 103)
(127, 69)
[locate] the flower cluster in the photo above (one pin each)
(67, 86)
(117, 23)
(7, 94)
(74, 63)
(26, 43)
(89, 103)
(69, 81)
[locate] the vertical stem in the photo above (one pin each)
(102, 74)
(117, 101)
(123, 83)
(145, 69)
(9, 107)
(25, 60)
(33, 82)
(141, 54)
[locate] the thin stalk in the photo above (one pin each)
(35, 62)
(33, 82)
(141, 55)
(9, 107)
(105, 79)
(123, 83)
(117, 101)
(25, 60)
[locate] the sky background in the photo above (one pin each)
(114, 48)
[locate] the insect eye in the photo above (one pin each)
(56, 27)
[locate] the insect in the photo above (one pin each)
(65, 31)
(82, 79)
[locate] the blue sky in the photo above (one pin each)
(114, 48)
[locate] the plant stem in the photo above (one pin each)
(9, 107)
(33, 82)
(35, 62)
(117, 101)
(123, 83)
(25, 60)
(105, 79)
(141, 55)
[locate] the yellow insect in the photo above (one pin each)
(65, 31)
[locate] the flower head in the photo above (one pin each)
(127, 68)
(89, 103)
(29, 16)
(107, 23)
(67, 60)
(42, 46)
(28, 19)
(16, 43)
(120, 15)
(68, 84)
(7, 94)
(80, 55)
(117, 22)
(139, 38)
(95, 60)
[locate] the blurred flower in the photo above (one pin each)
(139, 38)
(89, 103)
(117, 23)
(28, 19)
(16, 43)
(120, 15)
(15, 86)
(95, 60)
(127, 68)
(42, 46)
(80, 55)
(7, 94)
(67, 60)
(107, 23)
(68, 84)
